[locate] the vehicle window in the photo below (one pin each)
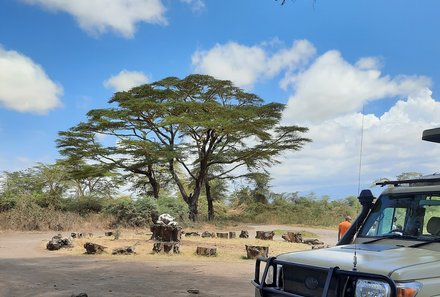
(417, 215)
(432, 210)
(390, 220)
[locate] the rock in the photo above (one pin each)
(192, 234)
(94, 248)
(193, 291)
(208, 234)
(57, 242)
(126, 250)
(79, 295)
(313, 241)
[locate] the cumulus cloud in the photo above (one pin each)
(99, 16)
(327, 96)
(245, 65)
(125, 80)
(24, 85)
(391, 145)
(333, 87)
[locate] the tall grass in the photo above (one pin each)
(94, 213)
(32, 217)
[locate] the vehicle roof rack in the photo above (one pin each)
(425, 180)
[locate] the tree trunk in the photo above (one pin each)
(153, 182)
(192, 206)
(191, 199)
(210, 201)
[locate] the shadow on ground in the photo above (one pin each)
(64, 276)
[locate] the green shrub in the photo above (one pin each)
(7, 204)
(173, 206)
(132, 213)
(84, 205)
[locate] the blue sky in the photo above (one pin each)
(336, 64)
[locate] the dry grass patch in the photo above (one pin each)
(228, 250)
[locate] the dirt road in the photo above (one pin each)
(27, 269)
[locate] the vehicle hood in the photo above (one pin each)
(397, 262)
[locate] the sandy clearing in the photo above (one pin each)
(27, 269)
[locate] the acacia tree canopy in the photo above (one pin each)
(205, 126)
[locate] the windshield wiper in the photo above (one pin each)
(391, 236)
(425, 242)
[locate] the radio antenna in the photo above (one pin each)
(360, 150)
(359, 181)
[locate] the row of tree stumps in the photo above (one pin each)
(167, 239)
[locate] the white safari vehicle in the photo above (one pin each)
(391, 250)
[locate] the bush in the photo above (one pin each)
(84, 205)
(7, 204)
(173, 206)
(132, 213)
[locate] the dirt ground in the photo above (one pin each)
(27, 269)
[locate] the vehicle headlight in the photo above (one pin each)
(371, 288)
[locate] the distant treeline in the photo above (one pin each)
(29, 202)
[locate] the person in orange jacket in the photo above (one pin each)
(343, 227)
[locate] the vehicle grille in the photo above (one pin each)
(308, 281)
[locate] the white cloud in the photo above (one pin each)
(196, 5)
(99, 16)
(333, 87)
(391, 145)
(327, 97)
(245, 65)
(125, 80)
(24, 86)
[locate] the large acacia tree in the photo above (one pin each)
(204, 126)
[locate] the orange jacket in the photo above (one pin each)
(343, 227)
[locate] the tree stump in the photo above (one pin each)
(76, 234)
(206, 251)
(265, 235)
(166, 247)
(166, 237)
(165, 233)
(232, 235)
(222, 234)
(254, 251)
(94, 248)
(126, 250)
(292, 237)
(244, 234)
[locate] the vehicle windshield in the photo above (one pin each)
(410, 216)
